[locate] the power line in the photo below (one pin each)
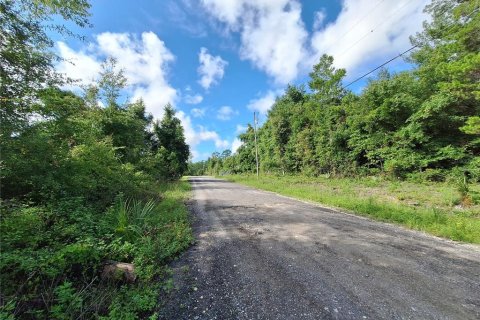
(370, 11)
(373, 29)
(383, 64)
(401, 54)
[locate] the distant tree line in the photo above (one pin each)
(421, 123)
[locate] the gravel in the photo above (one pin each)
(259, 255)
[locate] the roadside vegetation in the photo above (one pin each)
(91, 205)
(406, 149)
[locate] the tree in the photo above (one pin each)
(326, 81)
(448, 61)
(26, 68)
(26, 56)
(226, 153)
(170, 143)
(111, 82)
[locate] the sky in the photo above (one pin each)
(218, 61)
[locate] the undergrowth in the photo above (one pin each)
(52, 256)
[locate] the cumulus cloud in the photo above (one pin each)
(319, 18)
(198, 112)
(226, 113)
(193, 99)
(273, 36)
(78, 64)
(236, 143)
(195, 136)
(240, 129)
(144, 59)
(272, 33)
(264, 103)
(211, 69)
(365, 32)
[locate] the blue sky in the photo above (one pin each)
(217, 61)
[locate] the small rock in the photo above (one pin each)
(119, 271)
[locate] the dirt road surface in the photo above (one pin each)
(259, 255)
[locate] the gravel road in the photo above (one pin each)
(259, 255)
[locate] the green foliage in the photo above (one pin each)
(132, 216)
(172, 152)
(68, 302)
(196, 168)
(65, 165)
(472, 126)
(421, 123)
(131, 303)
(111, 82)
(57, 251)
(26, 55)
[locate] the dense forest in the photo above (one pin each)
(83, 187)
(420, 124)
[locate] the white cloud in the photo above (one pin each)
(145, 61)
(193, 137)
(264, 103)
(198, 112)
(319, 19)
(240, 129)
(272, 33)
(364, 33)
(78, 65)
(211, 69)
(226, 113)
(193, 99)
(273, 36)
(236, 144)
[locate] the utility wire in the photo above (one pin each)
(392, 59)
(383, 64)
(360, 20)
(401, 54)
(373, 29)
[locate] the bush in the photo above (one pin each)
(433, 175)
(53, 255)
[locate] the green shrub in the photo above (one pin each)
(68, 302)
(132, 216)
